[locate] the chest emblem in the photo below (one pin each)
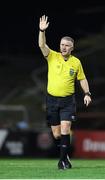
(71, 72)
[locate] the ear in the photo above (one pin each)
(72, 48)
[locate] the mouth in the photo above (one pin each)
(64, 52)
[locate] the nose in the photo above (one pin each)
(64, 47)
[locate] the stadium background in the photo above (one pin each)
(23, 70)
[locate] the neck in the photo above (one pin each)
(66, 57)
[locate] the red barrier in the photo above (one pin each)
(89, 144)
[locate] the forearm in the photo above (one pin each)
(42, 39)
(84, 85)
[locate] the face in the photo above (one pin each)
(66, 47)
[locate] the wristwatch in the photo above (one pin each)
(41, 30)
(87, 94)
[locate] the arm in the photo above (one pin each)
(43, 25)
(85, 87)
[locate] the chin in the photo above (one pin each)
(64, 54)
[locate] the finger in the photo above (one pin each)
(43, 17)
(86, 102)
(47, 24)
(46, 18)
(40, 19)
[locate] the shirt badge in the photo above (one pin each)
(71, 72)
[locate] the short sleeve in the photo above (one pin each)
(80, 73)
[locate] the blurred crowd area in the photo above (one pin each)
(23, 81)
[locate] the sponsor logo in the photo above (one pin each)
(93, 146)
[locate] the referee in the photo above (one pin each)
(63, 70)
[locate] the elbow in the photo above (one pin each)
(83, 80)
(41, 45)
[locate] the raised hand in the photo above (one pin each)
(43, 24)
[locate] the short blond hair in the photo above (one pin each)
(68, 38)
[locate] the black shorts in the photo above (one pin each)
(60, 108)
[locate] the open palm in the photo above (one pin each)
(43, 25)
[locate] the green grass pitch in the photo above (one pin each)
(47, 169)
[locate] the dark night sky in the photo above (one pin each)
(19, 33)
